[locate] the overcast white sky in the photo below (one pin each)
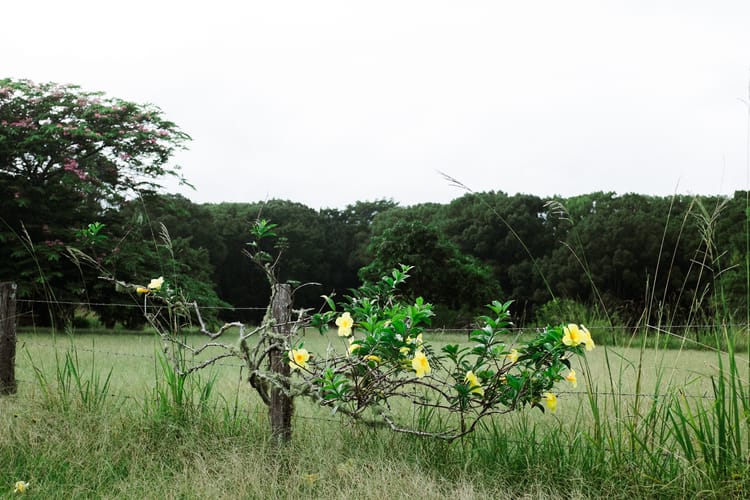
(329, 102)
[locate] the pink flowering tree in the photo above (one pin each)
(54, 134)
(69, 157)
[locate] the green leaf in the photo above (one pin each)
(329, 301)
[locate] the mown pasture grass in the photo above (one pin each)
(604, 441)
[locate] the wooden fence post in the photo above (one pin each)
(7, 338)
(281, 404)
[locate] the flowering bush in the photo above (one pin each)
(385, 356)
(388, 359)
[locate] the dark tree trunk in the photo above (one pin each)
(7, 338)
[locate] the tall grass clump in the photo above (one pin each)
(671, 435)
(177, 397)
(70, 386)
(712, 432)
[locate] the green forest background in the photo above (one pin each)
(598, 257)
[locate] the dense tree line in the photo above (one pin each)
(629, 257)
(623, 256)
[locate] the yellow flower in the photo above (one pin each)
(575, 335)
(404, 350)
(310, 479)
(20, 487)
(372, 357)
(140, 289)
(474, 385)
(572, 335)
(412, 340)
(353, 346)
(571, 377)
(420, 364)
(345, 323)
(513, 356)
(298, 358)
(587, 340)
(347, 467)
(551, 401)
(156, 283)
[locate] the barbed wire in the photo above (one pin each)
(108, 304)
(444, 329)
(651, 395)
(661, 330)
(115, 353)
(87, 349)
(602, 327)
(263, 411)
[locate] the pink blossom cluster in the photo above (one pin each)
(67, 129)
(53, 243)
(22, 123)
(72, 166)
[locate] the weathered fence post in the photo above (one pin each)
(7, 338)
(281, 403)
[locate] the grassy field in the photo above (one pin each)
(132, 359)
(681, 437)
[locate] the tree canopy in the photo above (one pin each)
(61, 134)
(68, 158)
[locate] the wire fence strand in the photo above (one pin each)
(531, 329)
(669, 331)
(114, 353)
(134, 305)
(577, 394)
